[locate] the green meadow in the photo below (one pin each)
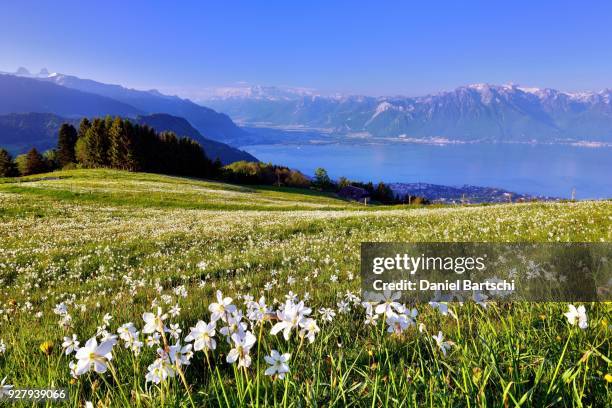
(89, 252)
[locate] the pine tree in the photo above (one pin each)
(7, 165)
(130, 147)
(96, 142)
(116, 152)
(83, 127)
(66, 140)
(34, 163)
(217, 168)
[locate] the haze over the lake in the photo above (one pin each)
(548, 170)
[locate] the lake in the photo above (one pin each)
(549, 170)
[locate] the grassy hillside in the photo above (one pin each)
(112, 187)
(108, 242)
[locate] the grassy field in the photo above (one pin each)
(86, 252)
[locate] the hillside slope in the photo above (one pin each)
(25, 95)
(164, 122)
(211, 124)
(114, 187)
(19, 132)
(22, 131)
(84, 244)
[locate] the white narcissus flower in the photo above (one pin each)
(398, 323)
(242, 347)
(174, 330)
(70, 344)
(202, 336)
(221, 307)
(410, 314)
(154, 322)
(388, 303)
(175, 310)
(234, 325)
(107, 318)
(309, 329)
(2, 347)
(135, 346)
(60, 309)
(344, 307)
(577, 314)
(440, 306)
(159, 371)
(327, 314)
(127, 332)
(371, 319)
(73, 366)
(278, 364)
(443, 345)
(105, 336)
(4, 387)
(290, 317)
(180, 355)
(257, 311)
(94, 356)
(153, 340)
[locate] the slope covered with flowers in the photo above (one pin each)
(142, 290)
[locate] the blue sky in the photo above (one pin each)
(375, 47)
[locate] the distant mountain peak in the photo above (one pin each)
(469, 113)
(261, 92)
(24, 72)
(21, 71)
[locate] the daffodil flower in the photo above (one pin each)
(577, 315)
(94, 356)
(278, 364)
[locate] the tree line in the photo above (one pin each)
(117, 143)
(380, 192)
(114, 143)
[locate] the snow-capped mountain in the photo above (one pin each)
(260, 92)
(469, 113)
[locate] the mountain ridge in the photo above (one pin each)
(212, 124)
(478, 112)
(20, 132)
(129, 102)
(24, 95)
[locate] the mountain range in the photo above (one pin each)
(480, 112)
(33, 106)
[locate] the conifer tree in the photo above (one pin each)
(130, 147)
(66, 141)
(33, 163)
(83, 127)
(96, 142)
(116, 149)
(7, 165)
